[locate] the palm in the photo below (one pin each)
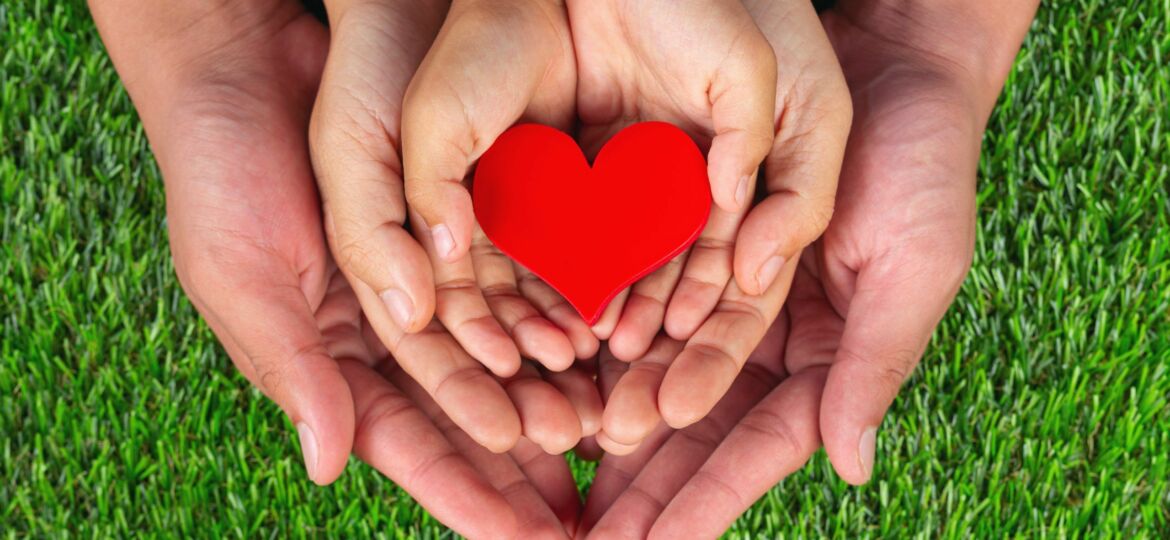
(632, 75)
(251, 202)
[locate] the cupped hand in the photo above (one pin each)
(403, 433)
(719, 318)
(494, 63)
(863, 303)
(355, 141)
(228, 129)
(225, 102)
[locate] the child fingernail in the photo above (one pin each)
(866, 447)
(400, 307)
(444, 241)
(768, 272)
(741, 191)
(308, 448)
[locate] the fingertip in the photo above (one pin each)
(732, 171)
(410, 296)
(679, 416)
(499, 440)
(485, 340)
(445, 216)
(679, 407)
(613, 447)
(624, 346)
(544, 342)
(322, 413)
(852, 456)
(605, 325)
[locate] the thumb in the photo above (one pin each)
(887, 327)
(804, 162)
(491, 63)
(268, 328)
(743, 102)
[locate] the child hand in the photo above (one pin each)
(495, 62)
(704, 66)
(375, 49)
(721, 321)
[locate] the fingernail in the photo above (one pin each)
(308, 448)
(741, 190)
(866, 449)
(444, 242)
(768, 272)
(400, 307)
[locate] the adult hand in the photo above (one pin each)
(355, 140)
(402, 432)
(494, 62)
(803, 134)
(225, 94)
(864, 304)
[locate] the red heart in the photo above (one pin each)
(591, 232)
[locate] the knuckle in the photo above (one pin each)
(774, 429)
(891, 368)
(456, 378)
(384, 412)
(355, 252)
(717, 485)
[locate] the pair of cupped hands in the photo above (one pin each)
(319, 222)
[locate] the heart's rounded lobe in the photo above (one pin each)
(590, 232)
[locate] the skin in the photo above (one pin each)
(355, 138)
(250, 251)
(720, 320)
(275, 274)
(866, 300)
(493, 64)
(750, 98)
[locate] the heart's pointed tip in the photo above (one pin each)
(592, 319)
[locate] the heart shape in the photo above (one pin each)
(590, 232)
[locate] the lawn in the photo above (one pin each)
(1042, 407)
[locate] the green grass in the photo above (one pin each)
(1041, 409)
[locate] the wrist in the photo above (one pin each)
(337, 10)
(972, 42)
(158, 48)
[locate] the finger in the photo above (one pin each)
(546, 416)
(743, 99)
(536, 518)
(534, 336)
(470, 88)
(359, 174)
(706, 274)
(889, 322)
(556, 309)
(550, 475)
(713, 357)
(804, 161)
(276, 344)
(460, 385)
(606, 324)
(609, 372)
(401, 442)
(635, 509)
(773, 440)
(616, 472)
(580, 389)
(614, 475)
(460, 305)
(631, 413)
(641, 316)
